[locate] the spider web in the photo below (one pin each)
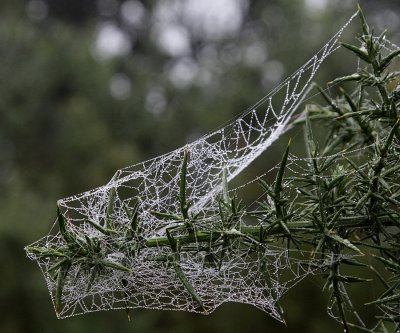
(153, 281)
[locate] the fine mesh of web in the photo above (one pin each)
(154, 285)
(160, 278)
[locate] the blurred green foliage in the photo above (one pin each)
(69, 118)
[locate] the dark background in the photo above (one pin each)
(88, 87)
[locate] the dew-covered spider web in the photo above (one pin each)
(171, 257)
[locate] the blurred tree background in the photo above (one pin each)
(88, 87)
